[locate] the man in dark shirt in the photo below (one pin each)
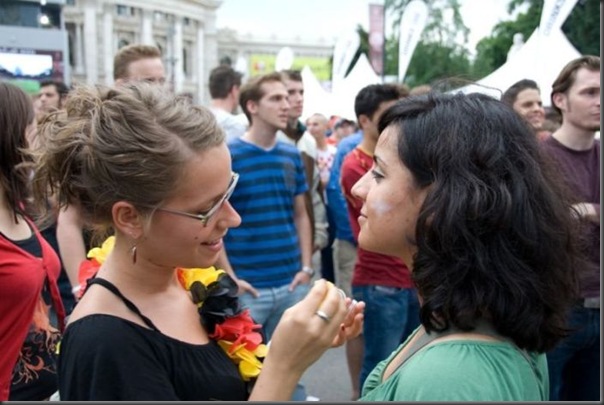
(574, 364)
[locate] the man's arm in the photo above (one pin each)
(70, 239)
(320, 235)
(223, 263)
(305, 239)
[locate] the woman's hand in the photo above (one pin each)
(352, 326)
(306, 330)
(245, 287)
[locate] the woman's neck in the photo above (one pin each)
(140, 278)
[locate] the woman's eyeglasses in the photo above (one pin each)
(204, 218)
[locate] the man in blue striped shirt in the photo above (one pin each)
(269, 254)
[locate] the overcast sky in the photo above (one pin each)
(329, 18)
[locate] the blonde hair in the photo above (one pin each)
(127, 144)
(129, 54)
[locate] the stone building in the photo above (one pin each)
(243, 48)
(184, 30)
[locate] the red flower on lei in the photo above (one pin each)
(215, 294)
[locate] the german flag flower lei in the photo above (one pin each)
(215, 294)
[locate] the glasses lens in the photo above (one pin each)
(224, 198)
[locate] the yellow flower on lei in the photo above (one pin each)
(247, 360)
(100, 253)
(205, 275)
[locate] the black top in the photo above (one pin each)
(107, 358)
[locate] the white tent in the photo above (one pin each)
(316, 98)
(361, 75)
(340, 102)
(540, 59)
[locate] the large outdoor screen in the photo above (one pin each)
(28, 67)
(25, 66)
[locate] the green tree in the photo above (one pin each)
(492, 51)
(440, 52)
(582, 27)
(445, 24)
(432, 62)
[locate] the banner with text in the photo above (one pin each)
(413, 22)
(554, 13)
(344, 50)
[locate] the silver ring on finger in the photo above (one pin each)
(323, 315)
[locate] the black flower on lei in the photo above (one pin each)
(220, 300)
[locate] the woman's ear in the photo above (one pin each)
(127, 219)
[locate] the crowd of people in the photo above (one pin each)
(158, 249)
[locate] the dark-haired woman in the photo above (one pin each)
(460, 192)
(29, 267)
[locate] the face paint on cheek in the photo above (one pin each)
(380, 207)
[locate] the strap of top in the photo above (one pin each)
(111, 287)
(482, 327)
(423, 341)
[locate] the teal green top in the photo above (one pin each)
(462, 370)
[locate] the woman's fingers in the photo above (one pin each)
(352, 326)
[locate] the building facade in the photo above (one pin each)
(184, 30)
(255, 54)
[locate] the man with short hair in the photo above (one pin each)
(341, 129)
(225, 83)
(132, 63)
(51, 97)
(574, 365)
(525, 98)
(136, 62)
(296, 134)
(269, 254)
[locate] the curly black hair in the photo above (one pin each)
(495, 238)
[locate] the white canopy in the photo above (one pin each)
(540, 59)
(341, 102)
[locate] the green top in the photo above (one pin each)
(462, 370)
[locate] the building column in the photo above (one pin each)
(147, 28)
(200, 65)
(90, 42)
(79, 50)
(108, 41)
(177, 62)
(209, 55)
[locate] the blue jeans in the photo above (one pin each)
(574, 365)
(270, 305)
(391, 314)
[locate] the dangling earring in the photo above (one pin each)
(133, 254)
